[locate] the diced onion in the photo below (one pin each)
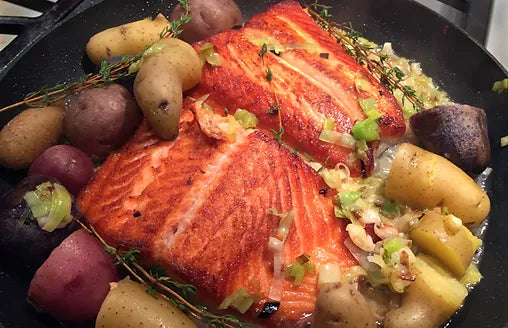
(329, 273)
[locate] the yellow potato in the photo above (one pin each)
(445, 239)
(422, 179)
(430, 300)
(127, 39)
(28, 134)
(159, 84)
(129, 305)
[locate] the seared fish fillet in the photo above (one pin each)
(199, 207)
(313, 81)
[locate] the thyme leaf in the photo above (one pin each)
(350, 41)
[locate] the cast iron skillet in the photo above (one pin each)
(455, 62)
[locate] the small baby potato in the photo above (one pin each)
(160, 82)
(425, 180)
(99, 120)
(208, 17)
(28, 134)
(340, 305)
(430, 300)
(129, 305)
(445, 238)
(127, 39)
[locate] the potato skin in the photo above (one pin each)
(430, 300)
(69, 165)
(457, 132)
(28, 134)
(160, 82)
(342, 305)
(424, 180)
(101, 119)
(129, 305)
(73, 282)
(453, 248)
(208, 17)
(127, 39)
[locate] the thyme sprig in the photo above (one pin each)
(108, 72)
(275, 109)
(158, 284)
(390, 76)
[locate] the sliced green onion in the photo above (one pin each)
(338, 138)
(368, 104)
(241, 300)
(50, 204)
(391, 246)
(246, 119)
(328, 125)
(367, 130)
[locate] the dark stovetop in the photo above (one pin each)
(473, 17)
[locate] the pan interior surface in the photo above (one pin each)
(455, 62)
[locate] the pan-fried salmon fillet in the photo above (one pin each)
(312, 81)
(199, 207)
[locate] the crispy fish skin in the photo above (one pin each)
(312, 82)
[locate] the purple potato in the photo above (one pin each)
(100, 120)
(73, 282)
(208, 17)
(69, 165)
(23, 244)
(456, 132)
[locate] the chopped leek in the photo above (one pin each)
(367, 130)
(246, 119)
(391, 207)
(368, 104)
(391, 246)
(241, 300)
(504, 141)
(298, 269)
(348, 198)
(208, 54)
(285, 222)
(50, 204)
(328, 125)
(329, 273)
(337, 138)
(500, 86)
(362, 84)
(361, 149)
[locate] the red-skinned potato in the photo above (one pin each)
(208, 17)
(69, 165)
(73, 282)
(101, 119)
